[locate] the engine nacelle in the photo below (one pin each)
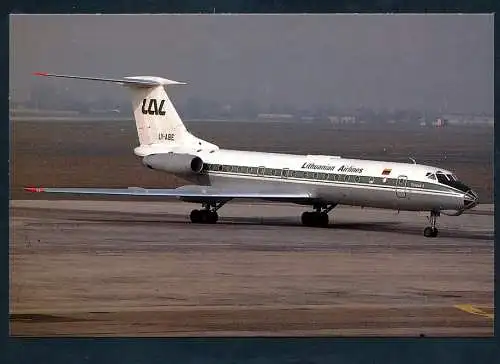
(174, 163)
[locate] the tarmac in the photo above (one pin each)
(129, 268)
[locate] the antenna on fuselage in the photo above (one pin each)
(413, 160)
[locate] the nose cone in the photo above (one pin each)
(471, 199)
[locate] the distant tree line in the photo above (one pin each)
(50, 97)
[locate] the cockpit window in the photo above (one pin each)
(452, 181)
(430, 175)
(442, 178)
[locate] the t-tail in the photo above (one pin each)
(159, 127)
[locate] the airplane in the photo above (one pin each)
(217, 176)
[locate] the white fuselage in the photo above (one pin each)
(334, 180)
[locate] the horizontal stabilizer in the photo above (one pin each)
(134, 81)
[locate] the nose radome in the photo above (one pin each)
(471, 199)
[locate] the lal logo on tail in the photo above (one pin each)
(153, 108)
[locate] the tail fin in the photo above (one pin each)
(156, 119)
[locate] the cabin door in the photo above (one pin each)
(284, 173)
(401, 186)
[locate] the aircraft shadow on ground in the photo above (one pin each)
(395, 227)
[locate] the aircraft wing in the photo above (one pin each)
(188, 193)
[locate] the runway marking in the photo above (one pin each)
(474, 310)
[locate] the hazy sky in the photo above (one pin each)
(378, 61)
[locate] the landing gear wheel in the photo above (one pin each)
(318, 219)
(204, 217)
(196, 216)
(208, 213)
(322, 219)
(430, 232)
(211, 217)
(307, 218)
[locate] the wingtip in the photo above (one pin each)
(34, 189)
(40, 74)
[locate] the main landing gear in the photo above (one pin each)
(318, 218)
(432, 231)
(207, 215)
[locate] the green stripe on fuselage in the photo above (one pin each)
(324, 177)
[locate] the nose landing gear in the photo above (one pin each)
(432, 231)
